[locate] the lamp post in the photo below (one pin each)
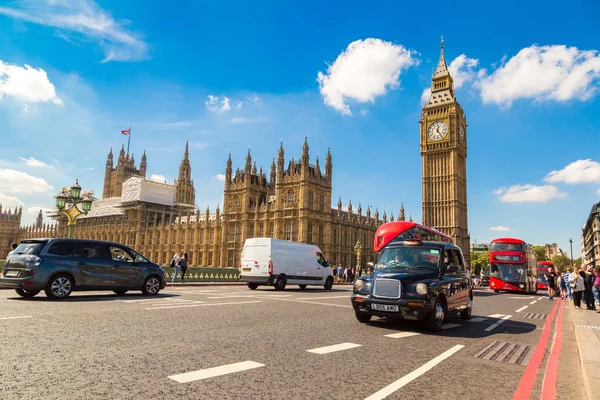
(358, 250)
(66, 202)
(571, 243)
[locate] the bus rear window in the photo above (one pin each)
(30, 248)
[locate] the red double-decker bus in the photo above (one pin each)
(512, 266)
(404, 230)
(542, 270)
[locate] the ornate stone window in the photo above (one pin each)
(290, 230)
(309, 234)
(290, 197)
(310, 200)
(322, 203)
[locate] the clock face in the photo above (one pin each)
(462, 134)
(437, 130)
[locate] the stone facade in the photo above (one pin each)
(293, 203)
(10, 221)
(125, 169)
(444, 160)
(590, 237)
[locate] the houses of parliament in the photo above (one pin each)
(291, 202)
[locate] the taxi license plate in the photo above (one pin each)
(246, 269)
(12, 273)
(384, 307)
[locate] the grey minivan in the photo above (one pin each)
(59, 266)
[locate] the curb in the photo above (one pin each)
(588, 348)
(192, 284)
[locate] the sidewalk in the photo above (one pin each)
(587, 333)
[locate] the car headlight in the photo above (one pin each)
(421, 288)
(362, 287)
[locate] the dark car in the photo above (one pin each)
(484, 280)
(59, 266)
(415, 280)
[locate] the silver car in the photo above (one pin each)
(60, 266)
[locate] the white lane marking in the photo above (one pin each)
(402, 335)
(201, 305)
(310, 302)
(496, 315)
(333, 348)
(533, 302)
(325, 298)
(232, 296)
(23, 316)
(449, 326)
(174, 305)
(497, 324)
(153, 299)
(215, 371)
(522, 298)
(522, 308)
(477, 319)
(388, 390)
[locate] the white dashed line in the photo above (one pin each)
(201, 305)
(522, 298)
(522, 308)
(449, 326)
(402, 335)
(497, 324)
(533, 302)
(496, 315)
(326, 298)
(333, 348)
(309, 302)
(24, 316)
(176, 304)
(215, 371)
(406, 379)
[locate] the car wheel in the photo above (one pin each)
(466, 313)
(363, 318)
(435, 320)
(496, 290)
(151, 285)
(252, 286)
(59, 286)
(26, 293)
(281, 282)
(120, 292)
(328, 283)
(302, 287)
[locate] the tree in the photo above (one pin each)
(540, 253)
(578, 262)
(479, 260)
(561, 262)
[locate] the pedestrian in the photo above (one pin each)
(551, 278)
(12, 248)
(588, 282)
(340, 270)
(175, 264)
(183, 264)
(567, 277)
(577, 287)
(563, 287)
(596, 288)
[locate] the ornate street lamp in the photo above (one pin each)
(66, 202)
(358, 250)
(571, 242)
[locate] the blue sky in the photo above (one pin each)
(226, 75)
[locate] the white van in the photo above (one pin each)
(267, 261)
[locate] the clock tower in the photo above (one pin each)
(444, 156)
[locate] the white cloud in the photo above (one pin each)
(364, 112)
(32, 162)
(529, 194)
(217, 104)
(12, 181)
(598, 192)
(83, 20)
(9, 201)
(26, 84)
(248, 120)
(34, 211)
(499, 228)
(580, 171)
(158, 178)
(543, 73)
(365, 70)
(462, 70)
(220, 177)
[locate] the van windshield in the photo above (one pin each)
(251, 253)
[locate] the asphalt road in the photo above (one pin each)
(227, 342)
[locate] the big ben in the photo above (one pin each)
(444, 159)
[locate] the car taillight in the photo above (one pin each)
(33, 262)
(240, 267)
(270, 267)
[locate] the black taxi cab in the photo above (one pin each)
(414, 279)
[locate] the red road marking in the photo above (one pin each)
(528, 379)
(551, 376)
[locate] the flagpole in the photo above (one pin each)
(128, 139)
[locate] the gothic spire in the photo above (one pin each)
(401, 216)
(442, 68)
(186, 155)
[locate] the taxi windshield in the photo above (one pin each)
(407, 259)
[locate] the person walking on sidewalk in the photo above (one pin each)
(596, 288)
(563, 287)
(566, 277)
(551, 278)
(175, 264)
(577, 287)
(183, 264)
(588, 282)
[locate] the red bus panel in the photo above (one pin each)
(512, 266)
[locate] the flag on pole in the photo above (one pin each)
(126, 131)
